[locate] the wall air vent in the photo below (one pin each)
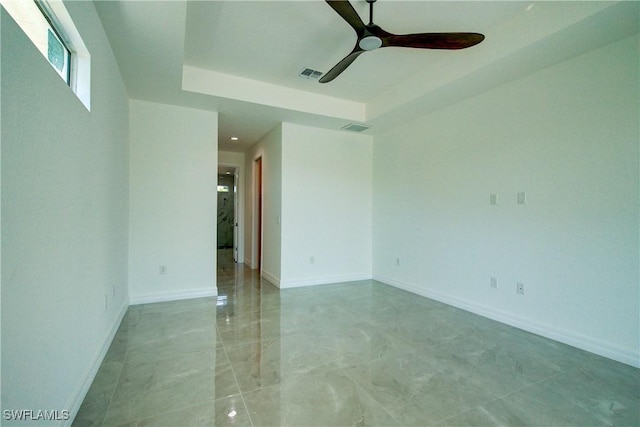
(356, 127)
(310, 74)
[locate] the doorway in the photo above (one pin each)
(227, 224)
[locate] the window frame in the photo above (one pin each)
(50, 17)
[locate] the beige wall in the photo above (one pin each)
(567, 136)
(64, 219)
(173, 199)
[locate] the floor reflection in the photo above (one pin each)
(357, 353)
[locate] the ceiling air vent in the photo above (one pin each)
(356, 127)
(311, 74)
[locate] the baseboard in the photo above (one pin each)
(271, 278)
(326, 280)
(173, 295)
(316, 281)
(567, 337)
(78, 397)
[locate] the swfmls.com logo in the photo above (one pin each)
(37, 415)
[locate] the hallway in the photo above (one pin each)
(359, 354)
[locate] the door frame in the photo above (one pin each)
(257, 226)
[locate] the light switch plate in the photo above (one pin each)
(522, 198)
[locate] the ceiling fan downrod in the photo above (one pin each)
(369, 41)
(371, 2)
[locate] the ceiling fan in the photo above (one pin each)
(371, 36)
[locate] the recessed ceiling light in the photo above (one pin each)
(234, 138)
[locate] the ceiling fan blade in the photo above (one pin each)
(349, 14)
(341, 66)
(432, 40)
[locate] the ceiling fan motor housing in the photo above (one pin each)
(370, 42)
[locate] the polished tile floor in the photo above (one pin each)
(356, 354)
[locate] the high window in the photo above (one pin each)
(49, 26)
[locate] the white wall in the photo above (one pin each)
(64, 219)
(567, 136)
(269, 149)
(228, 158)
(326, 206)
(172, 205)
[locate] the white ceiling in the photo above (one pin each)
(242, 58)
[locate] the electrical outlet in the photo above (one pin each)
(162, 269)
(494, 282)
(493, 199)
(312, 260)
(520, 288)
(398, 261)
